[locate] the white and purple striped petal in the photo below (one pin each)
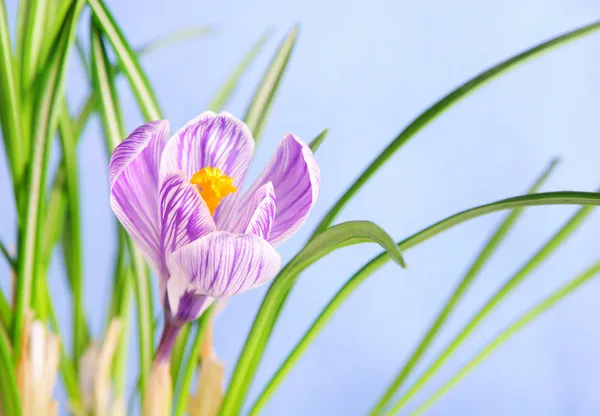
(220, 265)
(134, 181)
(295, 176)
(184, 216)
(211, 140)
(262, 208)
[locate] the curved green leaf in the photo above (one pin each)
(469, 278)
(519, 324)
(253, 350)
(320, 322)
(550, 247)
(444, 104)
(258, 111)
(173, 38)
(351, 232)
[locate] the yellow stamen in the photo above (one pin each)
(213, 186)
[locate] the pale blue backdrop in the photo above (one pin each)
(364, 70)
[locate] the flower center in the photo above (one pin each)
(213, 186)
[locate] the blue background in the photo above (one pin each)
(364, 70)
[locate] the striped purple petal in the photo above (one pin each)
(219, 265)
(133, 174)
(220, 141)
(295, 175)
(184, 214)
(262, 209)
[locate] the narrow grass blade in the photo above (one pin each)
(9, 393)
(518, 324)
(51, 86)
(227, 90)
(182, 394)
(32, 42)
(351, 232)
(317, 141)
(114, 132)
(442, 105)
(128, 60)
(469, 278)
(11, 262)
(173, 38)
(10, 119)
(550, 247)
(270, 308)
(326, 314)
(261, 103)
(75, 244)
(179, 351)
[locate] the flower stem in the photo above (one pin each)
(167, 340)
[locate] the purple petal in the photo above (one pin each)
(220, 141)
(262, 211)
(295, 175)
(223, 264)
(133, 174)
(184, 303)
(184, 214)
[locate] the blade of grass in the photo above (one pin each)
(75, 245)
(261, 103)
(9, 393)
(468, 279)
(227, 90)
(444, 104)
(128, 61)
(11, 262)
(550, 247)
(170, 39)
(10, 119)
(113, 132)
(518, 324)
(51, 86)
(335, 302)
(182, 394)
(179, 351)
(317, 141)
(266, 317)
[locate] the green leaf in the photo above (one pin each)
(253, 351)
(10, 121)
(351, 232)
(442, 105)
(32, 42)
(51, 90)
(128, 60)
(9, 393)
(164, 42)
(519, 324)
(179, 351)
(550, 247)
(227, 90)
(480, 261)
(11, 262)
(333, 305)
(183, 389)
(317, 141)
(258, 111)
(74, 265)
(113, 132)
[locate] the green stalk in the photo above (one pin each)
(9, 393)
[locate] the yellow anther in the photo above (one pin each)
(213, 186)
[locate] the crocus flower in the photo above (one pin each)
(180, 199)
